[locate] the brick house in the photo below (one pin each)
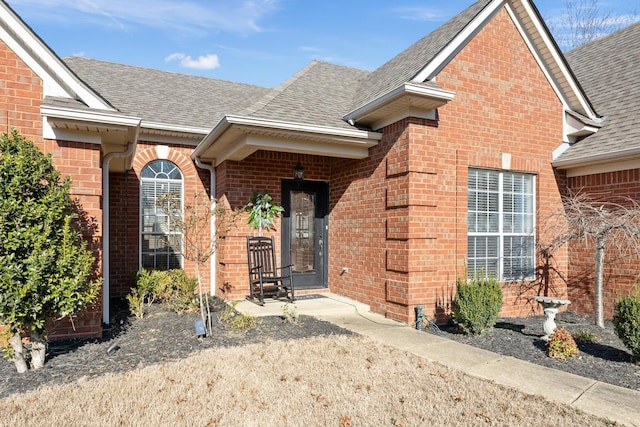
(434, 166)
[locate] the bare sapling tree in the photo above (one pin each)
(201, 225)
(606, 223)
(583, 21)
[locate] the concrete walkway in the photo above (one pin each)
(614, 403)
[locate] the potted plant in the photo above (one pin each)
(263, 212)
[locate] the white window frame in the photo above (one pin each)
(159, 180)
(501, 234)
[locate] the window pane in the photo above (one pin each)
(518, 259)
(482, 256)
(501, 211)
(160, 240)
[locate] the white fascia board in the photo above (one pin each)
(249, 144)
(597, 159)
(430, 71)
(106, 118)
(212, 136)
(46, 64)
(304, 128)
(266, 124)
(402, 90)
(168, 138)
(556, 55)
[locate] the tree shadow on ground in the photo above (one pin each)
(605, 352)
(515, 327)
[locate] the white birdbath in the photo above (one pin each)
(550, 306)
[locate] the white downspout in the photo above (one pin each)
(105, 225)
(212, 260)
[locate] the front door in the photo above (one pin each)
(304, 231)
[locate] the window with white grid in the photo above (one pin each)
(501, 221)
(160, 182)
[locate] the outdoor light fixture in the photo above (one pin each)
(298, 172)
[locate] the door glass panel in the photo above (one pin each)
(303, 231)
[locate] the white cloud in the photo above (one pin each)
(426, 14)
(190, 16)
(310, 49)
(204, 62)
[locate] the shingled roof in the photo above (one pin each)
(608, 71)
(319, 94)
(164, 97)
(405, 66)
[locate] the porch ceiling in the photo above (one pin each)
(236, 138)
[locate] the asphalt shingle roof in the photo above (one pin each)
(319, 94)
(406, 65)
(165, 97)
(609, 71)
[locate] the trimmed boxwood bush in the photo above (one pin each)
(626, 320)
(477, 304)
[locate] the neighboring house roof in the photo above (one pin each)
(608, 69)
(161, 97)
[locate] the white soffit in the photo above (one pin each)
(409, 99)
(605, 167)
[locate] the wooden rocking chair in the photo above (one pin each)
(265, 278)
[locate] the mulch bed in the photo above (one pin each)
(606, 360)
(164, 336)
(160, 336)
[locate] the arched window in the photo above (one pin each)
(161, 241)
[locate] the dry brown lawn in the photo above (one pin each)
(326, 381)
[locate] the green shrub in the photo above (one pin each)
(239, 322)
(586, 337)
(626, 320)
(136, 302)
(173, 287)
(477, 304)
(182, 292)
(561, 345)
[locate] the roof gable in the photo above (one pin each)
(58, 80)
(387, 88)
(405, 66)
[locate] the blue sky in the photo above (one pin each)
(262, 42)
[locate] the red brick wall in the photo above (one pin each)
(82, 162)
(235, 183)
(398, 218)
(125, 213)
(20, 96)
(621, 268)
